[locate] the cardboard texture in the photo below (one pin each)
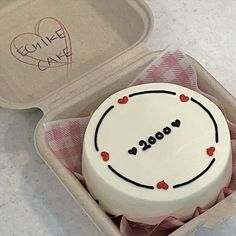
(65, 58)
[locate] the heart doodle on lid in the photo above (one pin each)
(123, 100)
(183, 98)
(105, 156)
(133, 151)
(49, 46)
(176, 123)
(162, 185)
(210, 151)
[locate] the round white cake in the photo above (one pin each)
(156, 150)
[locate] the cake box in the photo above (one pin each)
(66, 58)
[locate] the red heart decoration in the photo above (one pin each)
(123, 100)
(210, 151)
(162, 185)
(105, 156)
(183, 98)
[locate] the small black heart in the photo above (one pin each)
(176, 123)
(133, 151)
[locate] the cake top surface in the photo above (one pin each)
(158, 142)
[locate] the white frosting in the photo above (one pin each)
(177, 158)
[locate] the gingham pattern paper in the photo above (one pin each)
(172, 67)
(65, 137)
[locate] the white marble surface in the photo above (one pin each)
(32, 201)
(205, 30)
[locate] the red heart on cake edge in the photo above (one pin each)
(183, 98)
(123, 100)
(210, 151)
(162, 185)
(105, 156)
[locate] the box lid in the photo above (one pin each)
(47, 45)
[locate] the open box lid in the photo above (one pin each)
(47, 45)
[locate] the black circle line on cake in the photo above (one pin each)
(148, 186)
(129, 180)
(152, 91)
(151, 187)
(196, 177)
(211, 116)
(98, 126)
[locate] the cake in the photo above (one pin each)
(156, 150)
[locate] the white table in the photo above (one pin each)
(32, 201)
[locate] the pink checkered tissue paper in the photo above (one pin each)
(65, 137)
